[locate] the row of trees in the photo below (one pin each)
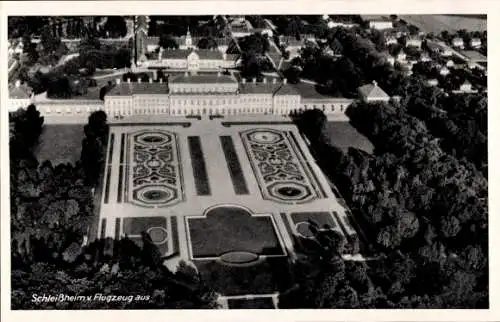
(94, 147)
(169, 42)
(253, 56)
(203, 26)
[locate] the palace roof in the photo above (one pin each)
(184, 53)
(203, 79)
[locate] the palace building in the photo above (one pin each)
(208, 94)
(188, 59)
(196, 94)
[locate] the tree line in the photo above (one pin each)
(52, 214)
(424, 211)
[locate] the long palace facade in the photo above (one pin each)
(212, 95)
(192, 94)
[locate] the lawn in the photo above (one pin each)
(344, 135)
(234, 166)
(136, 225)
(228, 229)
(61, 143)
(267, 277)
(323, 219)
(199, 168)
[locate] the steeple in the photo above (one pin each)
(189, 40)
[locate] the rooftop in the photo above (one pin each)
(372, 91)
(268, 86)
(258, 87)
(19, 91)
(203, 79)
(127, 89)
(309, 91)
(184, 53)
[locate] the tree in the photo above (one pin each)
(312, 123)
(207, 43)
(93, 146)
(115, 26)
(50, 43)
(255, 44)
(30, 49)
(167, 42)
(90, 42)
(29, 127)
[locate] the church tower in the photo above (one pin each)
(189, 40)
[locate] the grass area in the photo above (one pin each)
(234, 166)
(199, 168)
(257, 303)
(344, 135)
(229, 229)
(61, 143)
(137, 225)
(323, 219)
(266, 277)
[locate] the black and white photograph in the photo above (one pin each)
(316, 160)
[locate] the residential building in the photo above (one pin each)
(475, 43)
(390, 59)
(439, 48)
(424, 57)
(401, 56)
(457, 42)
(432, 82)
(380, 24)
(391, 40)
(444, 71)
(466, 87)
(414, 42)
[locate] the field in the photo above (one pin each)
(344, 135)
(451, 23)
(60, 143)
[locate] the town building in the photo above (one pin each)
(432, 82)
(443, 71)
(424, 57)
(414, 42)
(372, 93)
(391, 40)
(475, 43)
(380, 24)
(401, 56)
(457, 42)
(439, 48)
